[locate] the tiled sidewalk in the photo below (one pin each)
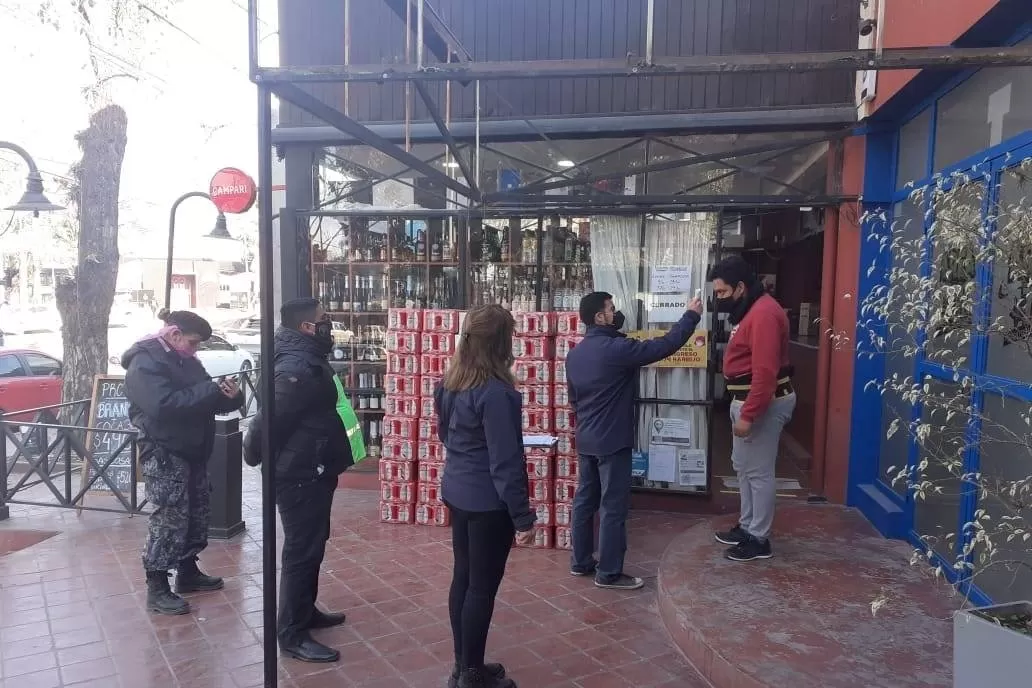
(72, 610)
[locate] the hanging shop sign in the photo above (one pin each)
(232, 191)
(694, 354)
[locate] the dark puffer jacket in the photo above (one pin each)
(172, 400)
(309, 438)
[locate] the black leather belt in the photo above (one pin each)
(741, 392)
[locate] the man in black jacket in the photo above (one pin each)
(173, 403)
(316, 437)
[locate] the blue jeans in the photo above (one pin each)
(604, 486)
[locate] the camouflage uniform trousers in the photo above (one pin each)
(180, 494)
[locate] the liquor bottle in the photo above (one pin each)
(435, 249)
(381, 252)
(323, 292)
(449, 247)
(345, 296)
(421, 246)
(570, 247)
(504, 240)
(373, 447)
(335, 289)
(356, 294)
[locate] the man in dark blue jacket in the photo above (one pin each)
(601, 373)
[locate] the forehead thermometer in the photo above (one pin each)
(698, 293)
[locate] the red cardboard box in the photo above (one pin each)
(540, 467)
(528, 372)
(534, 324)
(568, 323)
(434, 365)
(565, 420)
(429, 493)
(402, 385)
(541, 490)
(402, 407)
(537, 420)
(428, 383)
(397, 471)
(565, 490)
(536, 395)
(441, 320)
(431, 473)
(433, 515)
(564, 345)
(395, 449)
(403, 342)
(426, 431)
(567, 444)
(439, 343)
(405, 319)
(398, 493)
(563, 537)
(567, 468)
(430, 452)
(402, 364)
(393, 512)
(400, 428)
(539, 348)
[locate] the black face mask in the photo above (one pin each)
(618, 320)
(727, 304)
(324, 335)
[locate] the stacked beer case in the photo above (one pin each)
(420, 344)
(569, 332)
(546, 411)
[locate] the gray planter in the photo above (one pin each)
(987, 654)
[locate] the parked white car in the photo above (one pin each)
(219, 358)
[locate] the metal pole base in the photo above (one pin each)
(225, 533)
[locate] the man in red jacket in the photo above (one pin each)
(759, 380)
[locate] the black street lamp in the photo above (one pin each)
(33, 200)
(220, 232)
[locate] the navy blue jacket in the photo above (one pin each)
(601, 374)
(485, 469)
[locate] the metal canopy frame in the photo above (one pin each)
(887, 59)
(456, 64)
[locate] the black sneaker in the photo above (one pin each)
(735, 536)
(750, 550)
(583, 570)
(495, 672)
(620, 582)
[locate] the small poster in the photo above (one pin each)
(668, 439)
(691, 467)
(694, 354)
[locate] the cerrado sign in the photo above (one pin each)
(232, 191)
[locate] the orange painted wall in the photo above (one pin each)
(920, 23)
(847, 276)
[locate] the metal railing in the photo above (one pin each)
(50, 452)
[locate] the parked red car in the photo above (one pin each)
(28, 379)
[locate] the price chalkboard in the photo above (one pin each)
(109, 414)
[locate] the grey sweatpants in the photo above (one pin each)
(754, 458)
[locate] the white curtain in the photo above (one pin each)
(615, 264)
(614, 260)
(682, 243)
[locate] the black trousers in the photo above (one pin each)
(481, 542)
(305, 514)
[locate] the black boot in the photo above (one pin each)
(190, 579)
(161, 599)
(479, 677)
(493, 671)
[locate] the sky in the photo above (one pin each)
(191, 110)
